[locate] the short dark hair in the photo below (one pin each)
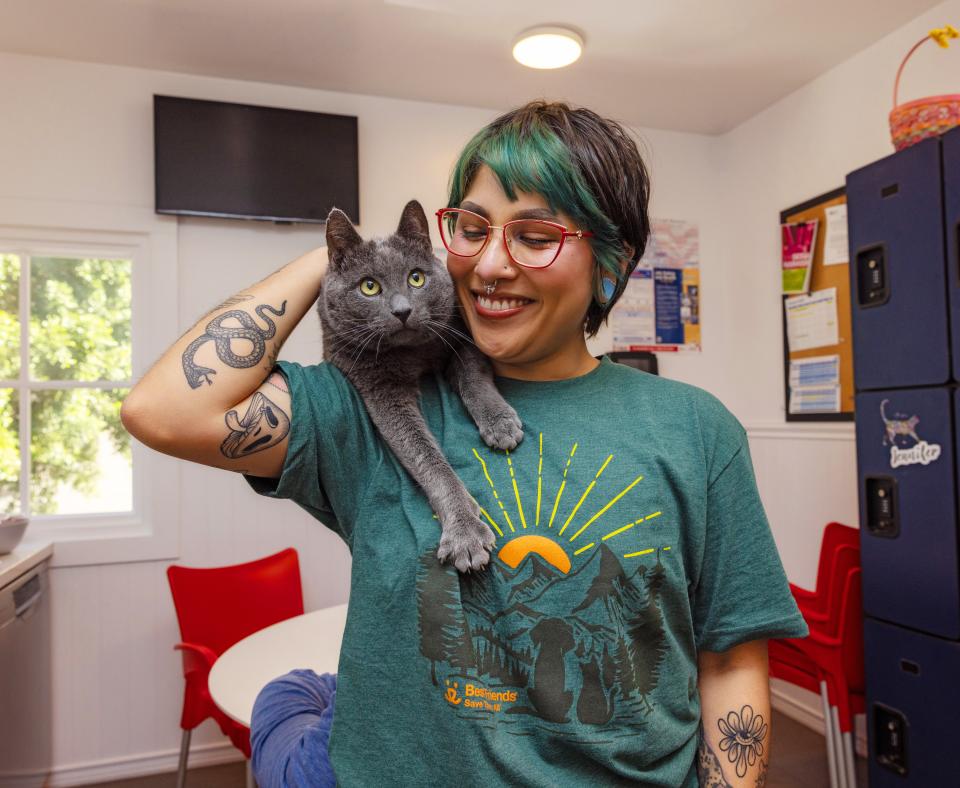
(585, 165)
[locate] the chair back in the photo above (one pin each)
(851, 631)
(835, 535)
(218, 606)
(846, 558)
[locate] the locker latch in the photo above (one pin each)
(872, 280)
(882, 519)
(890, 735)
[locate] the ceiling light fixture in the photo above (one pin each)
(547, 47)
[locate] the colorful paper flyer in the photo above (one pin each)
(660, 307)
(798, 241)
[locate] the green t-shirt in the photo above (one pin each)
(630, 534)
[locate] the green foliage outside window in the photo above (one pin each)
(79, 331)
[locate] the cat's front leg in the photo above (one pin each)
(465, 539)
(471, 376)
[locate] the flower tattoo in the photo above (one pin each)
(743, 736)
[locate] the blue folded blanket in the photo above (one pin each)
(290, 729)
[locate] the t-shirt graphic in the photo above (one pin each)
(629, 536)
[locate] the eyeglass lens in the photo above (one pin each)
(530, 241)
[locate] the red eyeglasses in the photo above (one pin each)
(531, 243)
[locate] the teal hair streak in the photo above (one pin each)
(532, 158)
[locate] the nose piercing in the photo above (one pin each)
(489, 288)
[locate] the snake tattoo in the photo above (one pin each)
(221, 336)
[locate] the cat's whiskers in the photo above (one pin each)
(450, 328)
(452, 348)
(360, 352)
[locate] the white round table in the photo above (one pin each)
(308, 641)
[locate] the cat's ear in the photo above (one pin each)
(341, 236)
(413, 225)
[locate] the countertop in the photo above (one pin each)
(25, 556)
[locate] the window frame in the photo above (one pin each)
(38, 227)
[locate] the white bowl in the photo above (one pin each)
(11, 532)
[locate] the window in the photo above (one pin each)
(88, 300)
(65, 366)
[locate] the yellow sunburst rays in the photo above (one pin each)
(516, 490)
(644, 552)
(583, 497)
(495, 495)
(563, 483)
(539, 479)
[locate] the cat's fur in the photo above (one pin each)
(384, 343)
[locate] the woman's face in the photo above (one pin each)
(549, 323)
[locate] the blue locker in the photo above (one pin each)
(913, 707)
(951, 199)
(908, 517)
(897, 278)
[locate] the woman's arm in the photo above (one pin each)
(208, 398)
(735, 708)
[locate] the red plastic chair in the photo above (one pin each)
(813, 603)
(216, 607)
(836, 658)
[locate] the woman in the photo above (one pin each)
(619, 633)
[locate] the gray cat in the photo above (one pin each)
(389, 315)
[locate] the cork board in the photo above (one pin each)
(823, 277)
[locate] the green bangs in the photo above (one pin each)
(530, 157)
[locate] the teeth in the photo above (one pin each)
(500, 304)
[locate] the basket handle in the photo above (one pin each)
(941, 35)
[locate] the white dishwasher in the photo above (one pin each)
(26, 701)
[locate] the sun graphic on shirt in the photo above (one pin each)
(553, 544)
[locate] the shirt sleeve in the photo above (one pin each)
(743, 593)
(333, 449)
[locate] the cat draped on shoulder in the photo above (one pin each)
(389, 315)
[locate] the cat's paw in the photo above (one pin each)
(502, 429)
(466, 543)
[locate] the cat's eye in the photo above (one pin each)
(417, 278)
(370, 287)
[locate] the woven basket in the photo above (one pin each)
(925, 117)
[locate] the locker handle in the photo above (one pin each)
(883, 517)
(873, 280)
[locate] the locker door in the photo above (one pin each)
(908, 518)
(951, 197)
(897, 278)
(912, 711)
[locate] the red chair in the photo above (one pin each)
(216, 607)
(813, 603)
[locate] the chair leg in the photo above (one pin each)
(828, 735)
(838, 743)
(251, 783)
(851, 759)
(184, 752)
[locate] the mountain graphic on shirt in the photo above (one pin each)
(586, 645)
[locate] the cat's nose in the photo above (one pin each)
(400, 307)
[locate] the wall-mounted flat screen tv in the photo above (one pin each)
(214, 158)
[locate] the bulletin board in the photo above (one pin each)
(823, 277)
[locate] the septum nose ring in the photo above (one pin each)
(489, 288)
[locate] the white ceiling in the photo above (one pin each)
(690, 65)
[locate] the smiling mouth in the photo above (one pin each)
(485, 304)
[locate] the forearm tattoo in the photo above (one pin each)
(709, 771)
(262, 426)
(742, 739)
(221, 336)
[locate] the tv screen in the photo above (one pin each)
(214, 158)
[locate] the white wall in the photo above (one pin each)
(83, 132)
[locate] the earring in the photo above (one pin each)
(604, 286)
